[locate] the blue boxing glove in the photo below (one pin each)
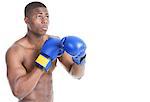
(50, 50)
(75, 47)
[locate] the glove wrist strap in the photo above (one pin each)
(43, 62)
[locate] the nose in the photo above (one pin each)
(45, 20)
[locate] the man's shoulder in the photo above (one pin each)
(16, 47)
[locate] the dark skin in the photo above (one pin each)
(28, 82)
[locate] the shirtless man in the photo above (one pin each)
(29, 81)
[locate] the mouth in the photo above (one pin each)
(44, 28)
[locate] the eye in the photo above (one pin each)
(39, 16)
(47, 16)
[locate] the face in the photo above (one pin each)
(38, 20)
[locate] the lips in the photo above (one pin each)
(44, 27)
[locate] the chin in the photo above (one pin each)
(41, 33)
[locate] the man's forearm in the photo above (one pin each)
(25, 84)
(77, 71)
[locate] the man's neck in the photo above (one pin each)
(35, 39)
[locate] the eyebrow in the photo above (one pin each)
(41, 13)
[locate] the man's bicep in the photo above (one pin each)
(66, 60)
(15, 68)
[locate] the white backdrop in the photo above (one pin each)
(117, 33)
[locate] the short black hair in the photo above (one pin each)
(32, 6)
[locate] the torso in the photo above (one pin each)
(43, 92)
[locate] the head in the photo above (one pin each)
(36, 18)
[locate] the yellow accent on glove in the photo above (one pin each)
(43, 61)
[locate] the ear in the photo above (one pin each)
(26, 19)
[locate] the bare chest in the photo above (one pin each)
(29, 57)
